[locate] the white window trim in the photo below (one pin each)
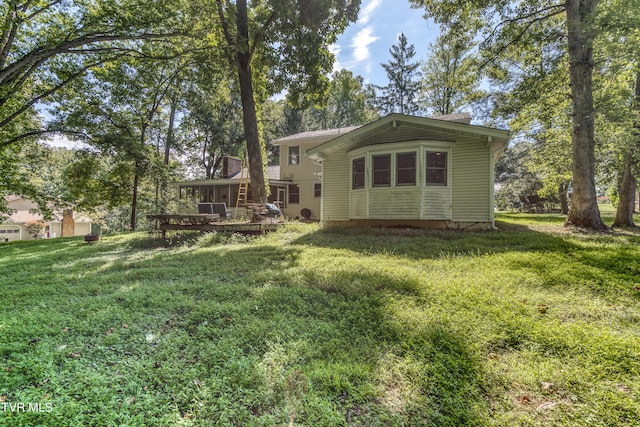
(420, 147)
(290, 156)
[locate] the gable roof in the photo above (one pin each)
(398, 127)
(322, 135)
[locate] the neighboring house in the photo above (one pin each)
(64, 224)
(398, 170)
(411, 171)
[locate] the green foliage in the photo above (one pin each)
(35, 228)
(450, 75)
(46, 45)
(213, 126)
(528, 325)
(347, 105)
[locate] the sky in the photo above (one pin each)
(366, 43)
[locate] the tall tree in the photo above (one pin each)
(45, 45)
(515, 21)
(347, 105)
(450, 76)
(116, 107)
(618, 59)
(401, 94)
(530, 91)
(627, 186)
(213, 125)
(291, 39)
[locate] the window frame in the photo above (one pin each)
(444, 169)
(360, 174)
(398, 169)
(388, 173)
(295, 200)
(317, 189)
(291, 156)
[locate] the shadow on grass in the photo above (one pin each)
(212, 335)
(434, 244)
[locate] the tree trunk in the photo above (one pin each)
(249, 115)
(170, 132)
(134, 199)
(628, 186)
(583, 211)
(564, 201)
(627, 191)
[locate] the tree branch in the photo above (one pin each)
(225, 30)
(522, 33)
(259, 36)
(41, 53)
(51, 91)
(6, 143)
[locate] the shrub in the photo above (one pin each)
(36, 228)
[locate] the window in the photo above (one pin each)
(358, 173)
(294, 155)
(294, 193)
(317, 190)
(406, 169)
(436, 168)
(382, 170)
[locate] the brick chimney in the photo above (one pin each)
(68, 223)
(230, 166)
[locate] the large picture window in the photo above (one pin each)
(436, 168)
(382, 170)
(406, 169)
(294, 155)
(357, 171)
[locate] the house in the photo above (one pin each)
(295, 184)
(225, 189)
(410, 171)
(64, 224)
(302, 174)
(398, 170)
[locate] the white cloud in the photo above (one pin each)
(360, 44)
(368, 10)
(336, 49)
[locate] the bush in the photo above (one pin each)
(36, 228)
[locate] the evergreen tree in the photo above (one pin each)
(401, 94)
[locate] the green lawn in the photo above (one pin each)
(532, 325)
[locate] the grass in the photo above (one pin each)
(532, 325)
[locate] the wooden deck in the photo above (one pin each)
(210, 222)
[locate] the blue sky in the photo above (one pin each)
(365, 44)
